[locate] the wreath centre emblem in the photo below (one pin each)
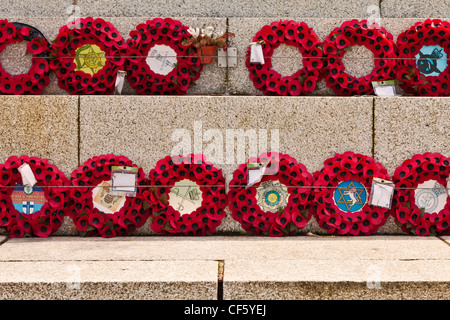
(162, 59)
(90, 59)
(350, 196)
(431, 60)
(431, 196)
(272, 195)
(185, 196)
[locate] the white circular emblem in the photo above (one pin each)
(431, 196)
(185, 196)
(161, 59)
(272, 195)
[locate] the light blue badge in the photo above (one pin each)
(431, 60)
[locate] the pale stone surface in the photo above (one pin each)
(394, 267)
(406, 126)
(336, 279)
(228, 248)
(415, 8)
(146, 129)
(110, 280)
(233, 8)
(32, 8)
(41, 126)
(375, 267)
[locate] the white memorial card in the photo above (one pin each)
(27, 174)
(256, 53)
(255, 173)
(381, 193)
(124, 180)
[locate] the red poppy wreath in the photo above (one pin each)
(292, 33)
(95, 209)
(421, 203)
(341, 196)
(423, 52)
(32, 210)
(277, 205)
(158, 63)
(351, 33)
(37, 78)
(87, 57)
(187, 196)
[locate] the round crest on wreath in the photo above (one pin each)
(158, 62)
(37, 78)
(341, 195)
(279, 203)
(292, 33)
(97, 209)
(187, 196)
(358, 33)
(25, 209)
(423, 51)
(86, 56)
(421, 202)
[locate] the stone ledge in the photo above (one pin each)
(116, 280)
(344, 268)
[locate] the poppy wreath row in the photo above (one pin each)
(91, 221)
(54, 186)
(244, 204)
(411, 75)
(90, 44)
(392, 60)
(319, 59)
(37, 78)
(167, 218)
(318, 195)
(408, 214)
(292, 33)
(144, 41)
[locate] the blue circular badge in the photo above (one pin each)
(431, 60)
(350, 196)
(272, 198)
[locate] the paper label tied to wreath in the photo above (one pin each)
(185, 196)
(104, 201)
(161, 59)
(431, 196)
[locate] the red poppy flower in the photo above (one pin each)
(16, 232)
(108, 232)
(82, 223)
(423, 229)
(41, 230)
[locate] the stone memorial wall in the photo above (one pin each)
(224, 104)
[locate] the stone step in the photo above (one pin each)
(230, 268)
